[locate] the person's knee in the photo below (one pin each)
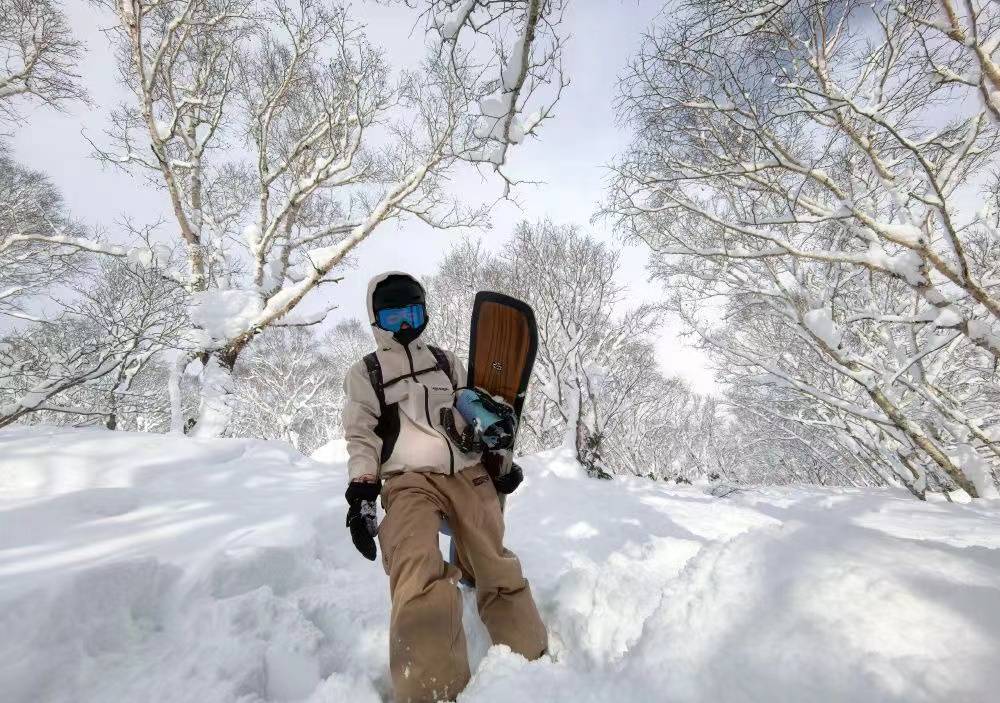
(430, 617)
(497, 572)
(413, 567)
(506, 582)
(426, 603)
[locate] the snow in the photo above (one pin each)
(202, 132)
(156, 256)
(821, 324)
(494, 109)
(983, 330)
(452, 24)
(251, 235)
(225, 313)
(788, 281)
(908, 234)
(949, 317)
(496, 105)
(907, 264)
(493, 155)
(976, 468)
(272, 272)
(163, 130)
(216, 411)
(333, 452)
(141, 256)
(512, 71)
(142, 567)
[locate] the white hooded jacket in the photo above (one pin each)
(413, 383)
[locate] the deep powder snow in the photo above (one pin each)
(141, 567)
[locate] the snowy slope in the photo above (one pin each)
(149, 568)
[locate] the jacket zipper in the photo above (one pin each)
(427, 412)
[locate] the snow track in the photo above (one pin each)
(143, 567)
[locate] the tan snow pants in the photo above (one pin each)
(427, 653)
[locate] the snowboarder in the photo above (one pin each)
(398, 449)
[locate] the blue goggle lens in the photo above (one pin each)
(392, 319)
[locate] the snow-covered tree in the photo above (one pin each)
(289, 384)
(30, 207)
(39, 56)
(778, 436)
(55, 356)
(792, 164)
(347, 342)
(596, 388)
(282, 140)
(590, 354)
(84, 361)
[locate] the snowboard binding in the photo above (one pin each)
(490, 425)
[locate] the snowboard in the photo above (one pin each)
(503, 342)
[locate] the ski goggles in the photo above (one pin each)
(393, 319)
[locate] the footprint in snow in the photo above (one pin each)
(106, 502)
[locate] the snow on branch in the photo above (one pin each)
(39, 56)
(523, 78)
(282, 139)
(793, 163)
(109, 330)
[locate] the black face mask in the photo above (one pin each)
(408, 334)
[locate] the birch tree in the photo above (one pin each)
(793, 163)
(30, 207)
(105, 336)
(281, 140)
(39, 57)
(596, 389)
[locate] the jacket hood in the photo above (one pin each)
(384, 337)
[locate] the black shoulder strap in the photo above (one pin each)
(375, 376)
(387, 427)
(443, 362)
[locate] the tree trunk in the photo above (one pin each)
(215, 412)
(588, 451)
(923, 441)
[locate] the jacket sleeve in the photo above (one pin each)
(361, 415)
(458, 373)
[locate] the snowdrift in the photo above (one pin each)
(153, 568)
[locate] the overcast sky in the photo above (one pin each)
(569, 157)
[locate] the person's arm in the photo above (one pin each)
(364, 448)
(459, 375)
(361, 415)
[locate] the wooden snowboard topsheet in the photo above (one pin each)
(502, 346)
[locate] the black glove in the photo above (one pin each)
(508, 483)
(361, 515)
